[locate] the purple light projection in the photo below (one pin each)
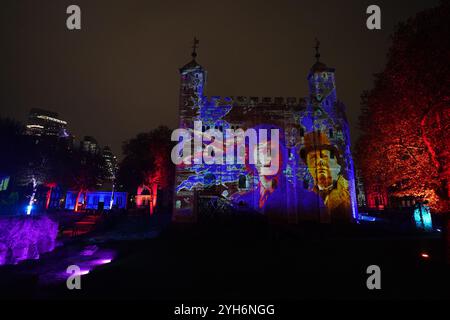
(88, 259)
(53, 269)
(23, 238)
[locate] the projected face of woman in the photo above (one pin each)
(267, 160)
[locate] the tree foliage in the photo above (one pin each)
(147, 160)
(405, 121)
(47, 160)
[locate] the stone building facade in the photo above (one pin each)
(315, 180)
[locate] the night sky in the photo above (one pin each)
(119, 75)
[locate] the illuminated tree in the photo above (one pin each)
(83, 173)
(405, 122)
(147, 163)
(21, 159)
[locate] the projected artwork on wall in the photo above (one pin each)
(314, 180)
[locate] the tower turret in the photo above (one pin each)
(321, 82)
(193, 79)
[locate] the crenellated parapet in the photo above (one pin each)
(246, 101)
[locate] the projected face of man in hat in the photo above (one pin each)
(323, 167)
(322, 159)
(325, 164)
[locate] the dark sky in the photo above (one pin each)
(119, 75)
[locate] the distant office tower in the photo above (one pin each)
(89, 145)
(46, 123)
(109, 164)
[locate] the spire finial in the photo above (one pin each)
(194, 47)
(317, 49)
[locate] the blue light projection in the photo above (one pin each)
(316, 176)
(422, 217)
(94, 200)
(211, 114)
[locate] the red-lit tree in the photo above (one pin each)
(147, 163)
(405, 123)
(83, 173)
